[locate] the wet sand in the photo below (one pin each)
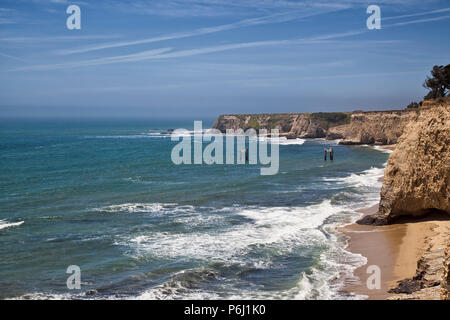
(395, 249)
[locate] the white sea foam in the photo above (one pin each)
(283, 141)
(145, 135)
(368, 178)
(326, 142)
(281, 228)
(136, 207)
(4, 224)
(45, 296)
(381, 149)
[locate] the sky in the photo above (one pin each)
(202, 58)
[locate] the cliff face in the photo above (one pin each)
(292, 125)
(381, 128)
(282, 122)
(373, 127)
(417, 177)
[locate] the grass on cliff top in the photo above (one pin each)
(331, 119)
(325, 119)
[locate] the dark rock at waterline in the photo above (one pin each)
(90, 292)
(407, 286)
(377, 219)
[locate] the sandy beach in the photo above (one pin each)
(396, 249)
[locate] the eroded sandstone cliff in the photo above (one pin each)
(417, 176)
(291, 125)
(381, 128)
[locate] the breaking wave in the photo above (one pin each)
(4, 224)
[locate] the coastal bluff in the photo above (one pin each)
(351, 128)
(417, 183)
(417, 177)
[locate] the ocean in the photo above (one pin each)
(105, 196)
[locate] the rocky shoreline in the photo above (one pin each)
(430, 281)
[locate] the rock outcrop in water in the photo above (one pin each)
(417, 176)
(380, 128)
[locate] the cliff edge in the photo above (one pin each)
(417, 177)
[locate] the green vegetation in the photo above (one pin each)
(284, 120)
(331, 119)
(439, 83)
(413, 105)
(254, 123)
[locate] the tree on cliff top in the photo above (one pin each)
(413, 105)
(439, 83)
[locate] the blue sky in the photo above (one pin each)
(201, 58)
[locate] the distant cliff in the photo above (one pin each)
(291, 125)
(379, 127)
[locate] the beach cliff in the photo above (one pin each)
(416, 193)
(417, 177)
(352, 128)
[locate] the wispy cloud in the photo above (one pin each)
(145, 55)
(166, 53)
(417, 14)
(248, 82)
(417, 21)
(212, 8)
(169, 53)
(12, 57)
(283, 81)
(58, 38)
(275, 18)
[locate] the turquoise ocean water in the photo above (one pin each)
(105, 196)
